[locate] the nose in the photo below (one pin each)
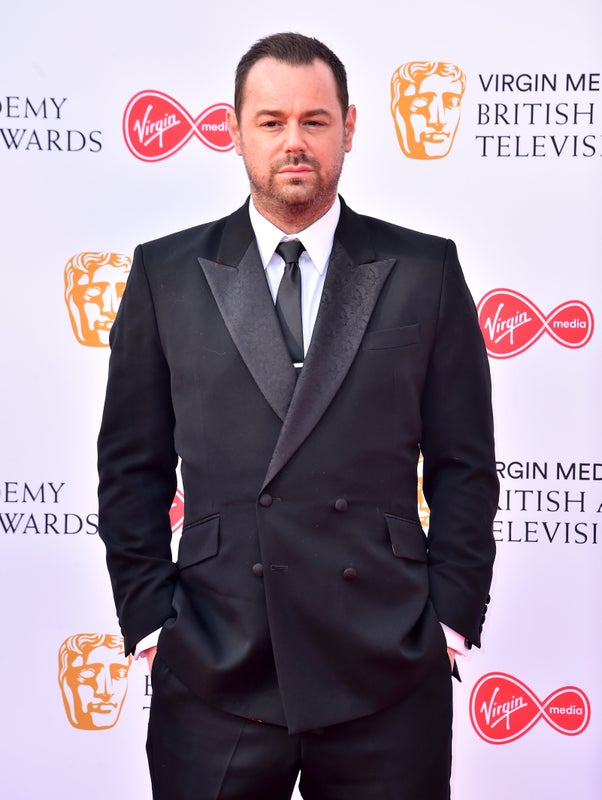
(104, 686)
(436, 113)
(110, 300)
(294, 141)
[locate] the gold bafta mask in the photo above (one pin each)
(425, 104)
(93, 677)
(94, 285)
(424, 511)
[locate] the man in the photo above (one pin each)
(301, 628)
(425, 104)
(93, 672)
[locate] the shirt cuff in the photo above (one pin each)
(455, 641)
(146, 643)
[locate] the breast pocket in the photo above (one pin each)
(392, 337)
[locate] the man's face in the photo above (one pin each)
(94, 302)
(292, 136)
(427, 119)
(98, 684)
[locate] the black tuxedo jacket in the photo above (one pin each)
(305, 591)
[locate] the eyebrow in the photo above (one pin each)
(314, 112)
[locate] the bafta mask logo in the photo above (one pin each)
(94, 285)
(425, 104)
(424, 512)
(93, 675)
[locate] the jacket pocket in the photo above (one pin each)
(407, 538)
(199, 541)
(392, 337)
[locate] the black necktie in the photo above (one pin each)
(288, 300)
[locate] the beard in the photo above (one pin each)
(298, 195)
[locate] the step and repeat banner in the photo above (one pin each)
(480, 123)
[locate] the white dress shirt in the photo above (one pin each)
(317, 241)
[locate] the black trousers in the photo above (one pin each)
(201, 753)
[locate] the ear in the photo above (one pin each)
(350, 119)
(233, 129)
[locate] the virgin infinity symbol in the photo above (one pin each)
(511, 323)
(155, 126)
(503, 708)
(176, 512)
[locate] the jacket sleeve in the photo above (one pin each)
(460, 481)
(136, 463)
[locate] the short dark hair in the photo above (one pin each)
(295, 49)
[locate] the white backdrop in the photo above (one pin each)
(519, 194)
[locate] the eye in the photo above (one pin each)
(118, 672)
(452, 101)
(86, 675)
(93, 292)
(418, 103)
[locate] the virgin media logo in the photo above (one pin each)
(502, 709)
(176, 512)
(511, 323)
(155, 126)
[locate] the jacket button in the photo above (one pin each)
(341, 504)
(349, 574)
(266, 500)
(257, 570)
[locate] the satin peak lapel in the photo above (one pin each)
(245, 303)
(348, 299)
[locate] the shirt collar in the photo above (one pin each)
(317, 238)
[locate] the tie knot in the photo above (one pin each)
(290, 251)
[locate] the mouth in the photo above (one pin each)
(295, 172)
(103, 325)
(435, 138)
(295, 166)
(107, 708)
